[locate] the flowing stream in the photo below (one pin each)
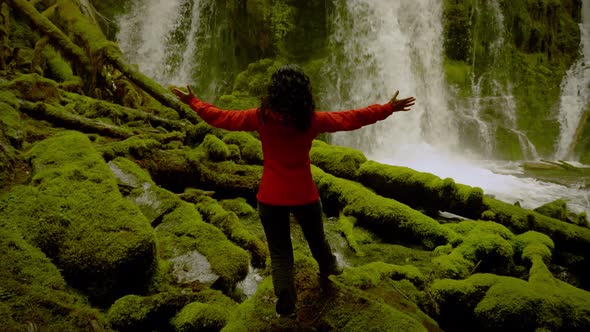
(382, 46)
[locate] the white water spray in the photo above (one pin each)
(397, 45)
(146, 36)
(575, 89)
(388, 46)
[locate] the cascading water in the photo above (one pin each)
(387, 46)
(379, 46)
(160, 37)
(575, 90)
(499, 94)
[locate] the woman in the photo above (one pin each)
(287, 123)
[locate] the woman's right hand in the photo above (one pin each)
(184, 97)
(402, 104)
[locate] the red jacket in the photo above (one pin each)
(286, 177)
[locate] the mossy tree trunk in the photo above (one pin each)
(113, 56)
(57, 37)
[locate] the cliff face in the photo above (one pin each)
(122, 210)
(514, 49)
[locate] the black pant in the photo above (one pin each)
(275, 220)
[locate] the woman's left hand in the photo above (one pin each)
(184, 97)
(402, 104)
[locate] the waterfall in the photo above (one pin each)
(160, 37)
(575, 90)
(499, 94)
(386, 46)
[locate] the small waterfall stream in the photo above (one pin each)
(575, 90)
(160, 37)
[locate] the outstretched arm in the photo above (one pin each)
(246, 120)
(355, 119)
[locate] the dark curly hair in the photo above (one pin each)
(290, 96)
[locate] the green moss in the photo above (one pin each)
(488, 302)
(485, 247)
(81, 29)
(33, 293)
(567, 237)
(74, 212)
(11, 125)
(556, 209)
(33, 87)
(532, 243)
(137, 186)
(250, 147)
(216, 149)
(199, 316)
(254, 80)
(238, 101)
(135, 313)
(183, 231)
(340, 161)
(388, 218)
(343, 309)
(345, 226)
(239, 206)
(420, 190)
(134, 146)
(231, 226)
(57, 68)
(370, 275)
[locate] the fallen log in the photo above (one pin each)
(100, 49)
(71, 121)
(57, 37)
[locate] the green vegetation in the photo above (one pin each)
(518, 48)
(74, 212)
(143, 217)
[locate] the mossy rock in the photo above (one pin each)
(344, 308)
(239, 206)
(204, 316)
(33, 87)
(250, 147)
(337, 160)
(74, 212)
(33, 294)
(485, 246)
(567, 237)
(195, 246)
(216, 149)
(556, 209)
(230, 224)
(487, 302)
(154, 312)
(136, 185)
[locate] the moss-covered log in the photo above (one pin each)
(91, 107)
(57, 37)
(149, 86)
(68, 120)
(569, 238)
(390, 219)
